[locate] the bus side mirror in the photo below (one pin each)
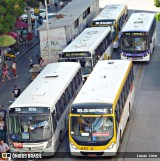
(151, 41)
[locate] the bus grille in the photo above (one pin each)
(92, 153)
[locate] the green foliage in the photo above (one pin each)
(157, 3)
(158, 16)
(9, 11)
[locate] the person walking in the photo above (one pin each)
(14, 69)
(40, 61)
(5, 72)
(2, 129)
(3, 124)
(30, 62)
(3, 112)
(61, 4)
(16, 92)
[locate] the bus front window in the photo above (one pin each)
(134, 43)
(113, 29)
(35, 127)
(98, 129)
(86, 65)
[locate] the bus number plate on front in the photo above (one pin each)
(84, 148)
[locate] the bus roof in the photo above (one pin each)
(110, 12)
(72, 11)
(139, 22)
(88, 40)
(48, 86)
(104, 82)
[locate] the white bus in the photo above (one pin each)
(91, 45)
(138, 37)
(38, 119)
(115, 16)
(100, 111)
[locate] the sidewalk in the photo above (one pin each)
(27, 47)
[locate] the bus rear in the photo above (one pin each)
(92, 130)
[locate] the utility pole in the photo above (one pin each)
(48, 40)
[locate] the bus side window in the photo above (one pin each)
(117, 119)
(66, 97)
(54, 121)
(58, 110)
(79, 76)
(120, 104)
(117, 113)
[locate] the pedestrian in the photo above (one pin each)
(2, 129)
(56, 4)
(3, 114)
(61, 4)
(30, 62)
(5, 72)
(48, 7)
(16, 92)
(3, 147)
(40, 61)
(14, 69)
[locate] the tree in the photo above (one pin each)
(30, 4)
(157, 4)
(9, 11)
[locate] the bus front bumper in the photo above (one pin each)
(94, 153)
(142, 58)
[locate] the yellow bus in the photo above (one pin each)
(100, 111)
(114, 15)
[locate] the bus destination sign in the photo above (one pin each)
(76, 54)
(29, 110)
(103, 22)
(91, 111)
(134, 33)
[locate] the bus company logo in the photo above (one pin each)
(6, 156)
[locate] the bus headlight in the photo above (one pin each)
(111, 146)
(73, 146)
(49, 144)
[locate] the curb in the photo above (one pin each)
(21, 55)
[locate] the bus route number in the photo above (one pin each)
(32, 109)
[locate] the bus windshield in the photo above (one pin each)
(134, 43)
(86, 64)
(97, 129)
(30, 127)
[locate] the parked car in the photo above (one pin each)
(42, 15)
(50, 15)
